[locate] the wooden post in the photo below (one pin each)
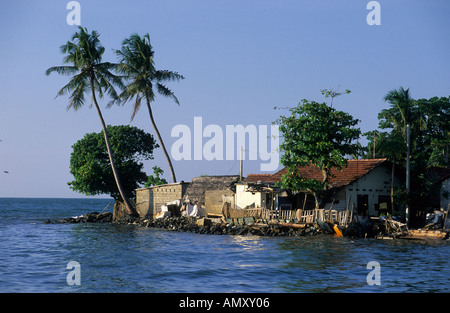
(351, 216)
(304, 201)
(446, 215)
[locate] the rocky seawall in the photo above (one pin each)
(209, 226)
(386, 229)
(199, 225)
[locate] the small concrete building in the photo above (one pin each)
(149, 200)
(207, 192)
(215, 186)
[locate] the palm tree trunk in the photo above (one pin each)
(172, 172)
(131, 210)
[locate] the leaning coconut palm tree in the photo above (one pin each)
(137, 66)
(92, 75)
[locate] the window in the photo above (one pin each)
(384, 205)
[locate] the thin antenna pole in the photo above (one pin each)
(241, 167)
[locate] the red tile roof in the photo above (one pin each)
(354, 170)
(253, 178)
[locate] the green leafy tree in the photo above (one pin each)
(94, 77)
(138, 67)
(155, 179)
(91, 168)
(316, 134)
(383, 144)
(429, 121)
(435, 113)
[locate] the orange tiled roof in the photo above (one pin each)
(354, 170)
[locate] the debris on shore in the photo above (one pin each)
(388, 228)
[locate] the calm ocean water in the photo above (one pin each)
(113, 258)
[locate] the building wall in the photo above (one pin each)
(214, 200)
(374, 184)
(245, 198)
(149, 200)
(197, 189)
(339, 203)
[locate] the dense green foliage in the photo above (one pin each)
(429, 121)
(316, 134)
(90, 166)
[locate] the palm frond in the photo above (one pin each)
(136, 106)
(63, 70)
(77, 96)
(137, 65)
(99, 85)
(166, 92)
(104, 70)
(72, 84)
(166, 75)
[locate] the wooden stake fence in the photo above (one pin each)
(342, 218)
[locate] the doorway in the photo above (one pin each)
(363, 205)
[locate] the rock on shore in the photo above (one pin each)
(93, 217)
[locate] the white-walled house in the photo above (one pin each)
(369, 193)
(364, 185)
(261, 195)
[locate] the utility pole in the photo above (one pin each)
(241, 167)
(407, 173)
(446, 155)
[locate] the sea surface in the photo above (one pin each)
(34, 257)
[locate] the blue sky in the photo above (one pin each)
(240, 59)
